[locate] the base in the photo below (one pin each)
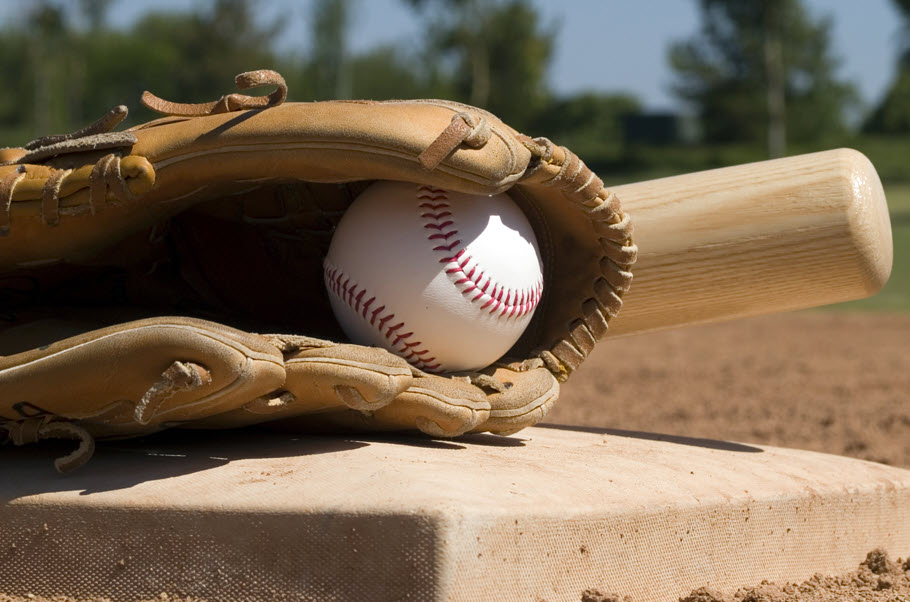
(544, 514)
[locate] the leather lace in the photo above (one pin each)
(106, 176)
(229, 102)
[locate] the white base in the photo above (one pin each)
(544, 514)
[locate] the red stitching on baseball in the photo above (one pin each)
(439, 226)
(358, 298)
(436, 216)
(447, 247)
(341, 285)
(517, 303)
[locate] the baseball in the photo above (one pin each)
(446, 280)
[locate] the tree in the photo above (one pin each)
(589, 123)
(48, 64)
(892, 115)
(761, 71)
(499, 53)
(188, 57)
(386, 73)
(65, 66)
(329, 61)
(95, 13)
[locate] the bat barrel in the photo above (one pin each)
(755, 239)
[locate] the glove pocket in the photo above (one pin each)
(139, 376)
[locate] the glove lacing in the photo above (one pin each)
(229, 102)
(32, 430)
(178, 377)
(106, 177)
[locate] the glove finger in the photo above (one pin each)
(128, 378)
(322, 377)
(438, 406)
(526, 398)
(361, 378)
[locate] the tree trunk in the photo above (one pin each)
(479, 57)
(775, 81)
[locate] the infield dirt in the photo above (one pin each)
(826, 381)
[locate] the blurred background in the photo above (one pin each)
(637, 89)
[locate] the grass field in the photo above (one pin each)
(896, 294)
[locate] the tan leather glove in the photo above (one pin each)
(135, 266)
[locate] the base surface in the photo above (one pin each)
(542, 515)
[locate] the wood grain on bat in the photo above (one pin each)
(754, 239)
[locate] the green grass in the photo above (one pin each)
(895, 296)
(888, 154)
(898, 196)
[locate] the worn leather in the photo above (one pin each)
(224, 219)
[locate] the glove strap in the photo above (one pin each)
(96, 136)
(228, 103)
(32, 430)
(472, 130)
(7, 188)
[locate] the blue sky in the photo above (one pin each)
(622, 44)
(602, 44)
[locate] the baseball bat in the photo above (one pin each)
(755, 239)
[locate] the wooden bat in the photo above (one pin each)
(755, 239)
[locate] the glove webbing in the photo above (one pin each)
(565, 171)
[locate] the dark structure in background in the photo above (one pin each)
(660, 129)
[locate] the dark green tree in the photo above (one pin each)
(40, 69)
(498, 52)
(191, 57)
(762, 71)
(589, 123)
(95, 13)
(64, 66)
(892, 115)
(330, 75)
(386, 73)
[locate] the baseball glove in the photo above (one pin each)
(135, 267)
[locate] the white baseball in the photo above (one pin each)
(446, 280)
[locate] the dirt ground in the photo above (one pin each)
(830, 382)
(825, 381)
